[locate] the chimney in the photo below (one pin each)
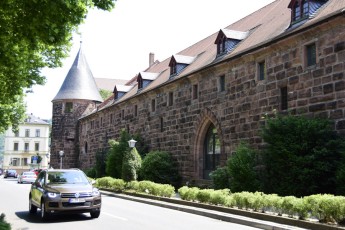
(151, 59)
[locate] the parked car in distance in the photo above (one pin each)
(10, 173)
(27, 177)
(59, 191)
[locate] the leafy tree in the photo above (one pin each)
(105, 93)
(34, 35)
(302, 156)
(4, 225)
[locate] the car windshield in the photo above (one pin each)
(67, 178)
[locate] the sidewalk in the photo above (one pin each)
(262, 221)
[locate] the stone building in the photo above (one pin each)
(200, 103)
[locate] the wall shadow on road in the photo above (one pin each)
(36, 218)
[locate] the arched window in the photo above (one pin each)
(211, 152)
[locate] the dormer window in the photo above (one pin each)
(120, 90)
(178, 63)
(304, 9)
(228, 39)
(145, 78)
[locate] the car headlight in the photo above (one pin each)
(95, 192)
(52, 194)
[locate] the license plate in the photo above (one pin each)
(76, 200)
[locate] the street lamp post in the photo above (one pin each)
(48, 159)
(61, 155)
(131, 143)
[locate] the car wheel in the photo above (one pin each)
(44, 214)
(32, 208)
(95, 214)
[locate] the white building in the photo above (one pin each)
(29, 147)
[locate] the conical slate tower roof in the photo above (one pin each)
(79, 82)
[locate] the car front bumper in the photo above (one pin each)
(71, 205)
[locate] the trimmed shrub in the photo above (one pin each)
(132, 185)
(219, 197)
(302, 156)
(104, 182)
(188, 194)
(149, 187)
(159, 167)
(220, 178)
(115, 155)
(131, 164)
(241, 169)
(117, 185)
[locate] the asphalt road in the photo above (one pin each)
(116, 214)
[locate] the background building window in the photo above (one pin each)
(25, 161)
(37, 146)
(15, 146)
(16, 134)
(27, 132)
(26, 147)
(38, 133)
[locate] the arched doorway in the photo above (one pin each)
(212, 150)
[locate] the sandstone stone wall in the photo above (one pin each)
(65, 133)
(236, 112)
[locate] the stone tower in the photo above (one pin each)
(78, 95)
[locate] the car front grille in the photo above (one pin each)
(66, 204)
(75, 195)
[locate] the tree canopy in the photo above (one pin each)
(35, 34)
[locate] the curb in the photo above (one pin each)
(253, 219)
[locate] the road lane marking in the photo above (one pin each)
(116, 217)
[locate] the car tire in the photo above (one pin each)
(32, 208)
(44, 214)
(95, 214)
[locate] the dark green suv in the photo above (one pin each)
(58, 191)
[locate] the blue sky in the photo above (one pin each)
(117, 43)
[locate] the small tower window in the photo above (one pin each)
(284, 98)
(311, 55)
(69, 107)
(222, 83)
(171, 98)
(261, 71)
(153, 105)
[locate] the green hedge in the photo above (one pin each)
(326, 208)
(147, 187)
